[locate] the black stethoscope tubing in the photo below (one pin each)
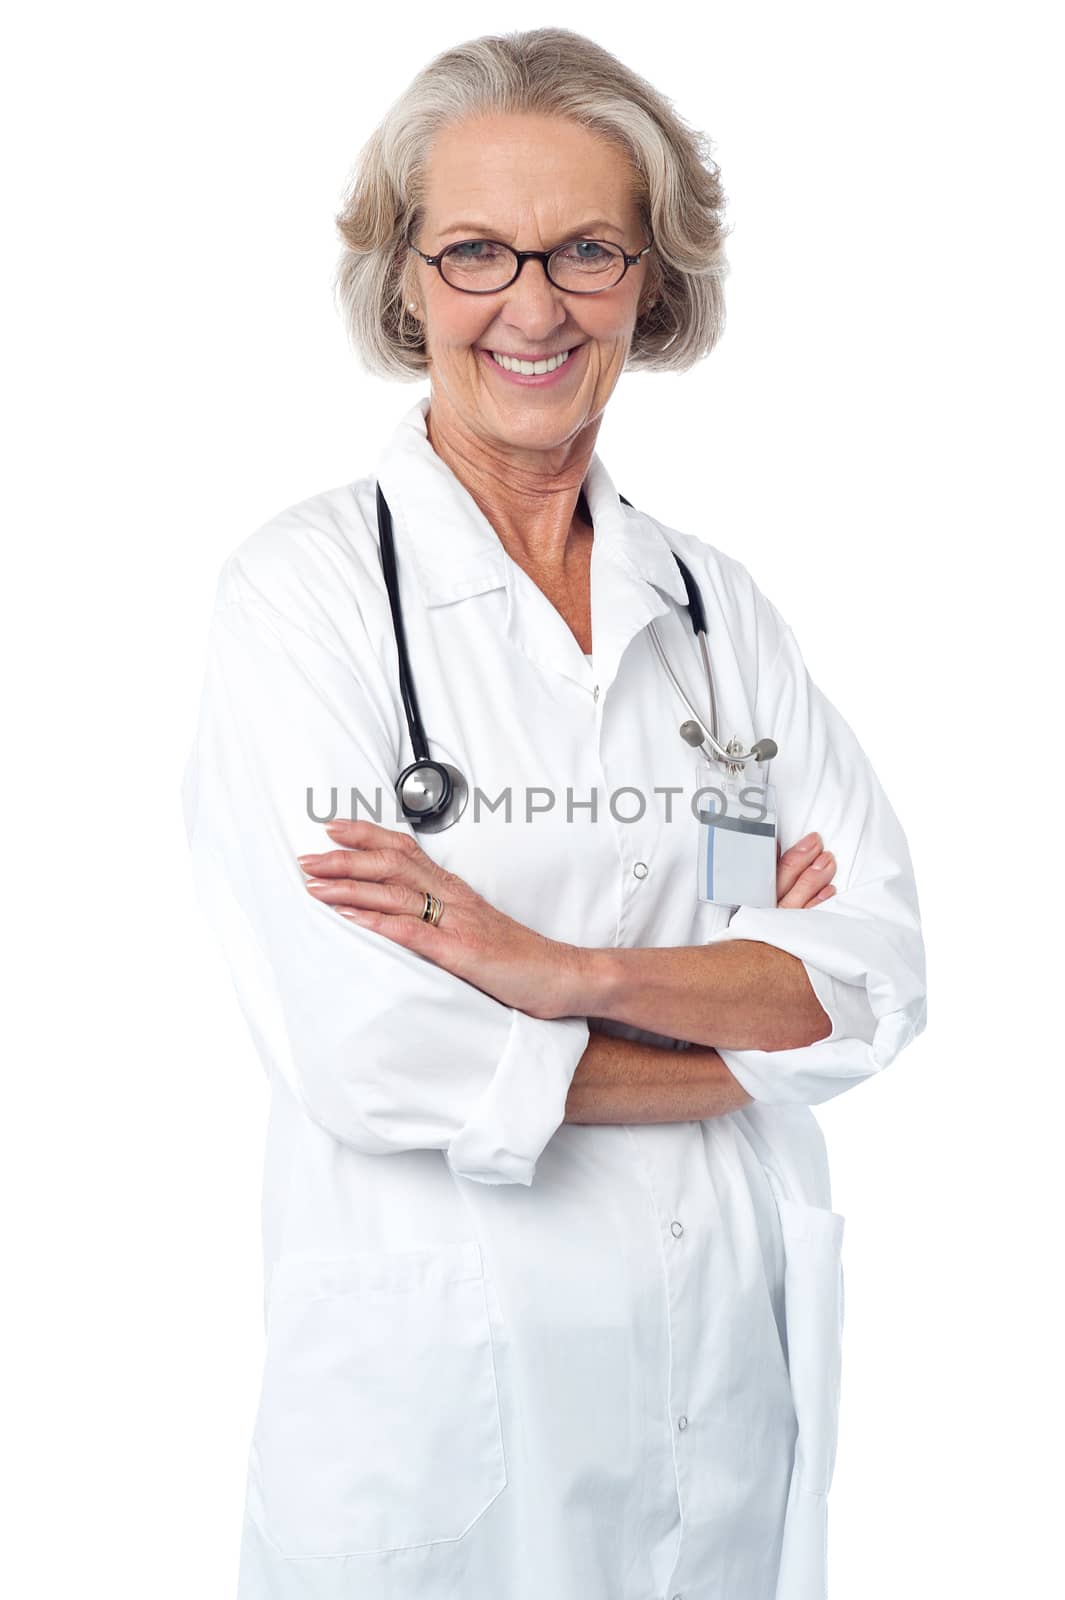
(419, 744)
(433, 793)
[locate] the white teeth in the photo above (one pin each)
(531, 367)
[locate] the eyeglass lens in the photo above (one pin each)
(581, 264)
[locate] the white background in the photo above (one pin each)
(872, 439)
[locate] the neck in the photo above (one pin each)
(532, 498)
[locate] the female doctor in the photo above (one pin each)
(553, 1285)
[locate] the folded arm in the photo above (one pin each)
(626, 1081)
(799, 1001)
(385, 1051)
(746, 995)
(802, 1000)
(862, 951)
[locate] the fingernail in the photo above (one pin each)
(807, 844)
(823, 859)
(303, 860)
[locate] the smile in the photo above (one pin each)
(532, 374)
(550, 364)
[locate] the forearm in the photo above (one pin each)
(625, 1081)
(740, 994)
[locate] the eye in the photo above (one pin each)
(475, 250)
(584, 250)
(587, 264)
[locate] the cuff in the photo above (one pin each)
(846, 1006)
(524, 1104)
(873, 998)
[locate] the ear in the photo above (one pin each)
(649, 293)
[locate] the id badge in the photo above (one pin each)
(737, 839)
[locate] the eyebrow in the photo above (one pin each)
(584, 229)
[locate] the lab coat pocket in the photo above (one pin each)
(813, 1300)
(378, 1425)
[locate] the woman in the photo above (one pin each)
(553, 1285)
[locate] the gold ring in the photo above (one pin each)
(434, 908)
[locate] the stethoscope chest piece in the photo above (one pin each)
(433, 795)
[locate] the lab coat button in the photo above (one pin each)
(677, 1228)
(640, 869)
(595, 692)
(682, 1423)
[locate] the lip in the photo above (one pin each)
(534, 380)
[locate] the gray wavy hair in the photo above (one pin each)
(550, 71)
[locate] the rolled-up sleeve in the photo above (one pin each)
(862, 949)
(382, 1048)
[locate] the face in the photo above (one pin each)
(531, 182)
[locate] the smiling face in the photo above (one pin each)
(532, 182)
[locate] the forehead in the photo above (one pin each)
(520, 170)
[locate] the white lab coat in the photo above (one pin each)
(508, 1356)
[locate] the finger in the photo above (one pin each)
(363, 835)
(392, 899)
(794, 861)
(825, 894)
(811, 881)
(364, 863)
(406, 931)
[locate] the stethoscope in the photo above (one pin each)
(433, 794)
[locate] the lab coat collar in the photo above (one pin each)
(457, 550)
(458, 554)
(455, 547)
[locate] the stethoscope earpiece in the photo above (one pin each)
(693, 733)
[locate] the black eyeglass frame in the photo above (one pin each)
(531, 255)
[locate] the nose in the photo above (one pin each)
(532, 303)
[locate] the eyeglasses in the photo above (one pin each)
(484, 266)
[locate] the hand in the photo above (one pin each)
(377, 880)
(799, 883)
